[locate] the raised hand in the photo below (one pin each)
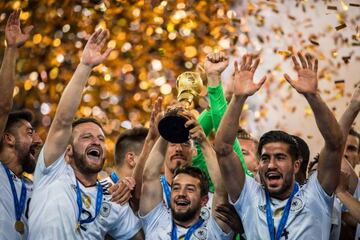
(243, 76)
(307, 74)
(13, 34)
(155, 117)
(196, 132)
(216, 63)
(92, 55)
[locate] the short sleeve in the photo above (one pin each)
(127, 225)
(152, 219)
(317, 195)
(248, 197)
(45, 175)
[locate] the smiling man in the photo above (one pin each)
(69, 202)
(183, 214)
(278, 208)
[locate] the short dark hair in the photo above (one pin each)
(196, 173)
(128, 141)
(82, 120)
(304, 152)
(16, 116)
(280, 136)
(354, 133)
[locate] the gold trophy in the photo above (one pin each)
(172, 125)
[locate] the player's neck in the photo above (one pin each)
(10, 159)
(168, 175)
(87, 180)
(284, 195)
(189, 223)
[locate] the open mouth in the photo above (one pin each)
(94, 153)
(182, 202)
(273, 177)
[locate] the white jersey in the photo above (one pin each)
(309, 217)
(157, 225)
(208, 204)
(336, 220)
(7, 208)
(54, 209)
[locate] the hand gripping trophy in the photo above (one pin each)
(172, 125)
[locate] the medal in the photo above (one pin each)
(19, 204)
(86, 200)
(79, 201)
(78, 226)
(19, 227)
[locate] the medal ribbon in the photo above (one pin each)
(188, 234)
(79, 202)
(284, 217)
(19, 206)
(166, 189)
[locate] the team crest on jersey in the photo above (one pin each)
(296, 204)
(105, 209)
(200, 234)
(205, 213)
(262, 208)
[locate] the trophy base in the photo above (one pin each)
(172, 129)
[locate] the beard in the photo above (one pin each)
(184, 216)
(26, 160)
(288, 179)
(83, 166)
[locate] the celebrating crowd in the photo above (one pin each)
(228, 187)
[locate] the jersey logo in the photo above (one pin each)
(105, 209)
(262, 208)
(296, 205)
(200, 234)
(205, 213)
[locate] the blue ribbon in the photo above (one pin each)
(284, 217)
(98, 202)
(189, 232)
(166, 189)
(114, 177)
(19, 207)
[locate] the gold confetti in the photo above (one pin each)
(332, 7)
(340, 27)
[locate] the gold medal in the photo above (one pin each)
(19, 227)
(86, 200)
(78, 227)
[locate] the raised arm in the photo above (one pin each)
(151, 192)
(215, 64)
(330, 155)
(351, 112)
(220, 194)
(149, 143)
(14, 39)
(60, 130)
(351, 203)
(229, 163)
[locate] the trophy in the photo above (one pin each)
(172, 125)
